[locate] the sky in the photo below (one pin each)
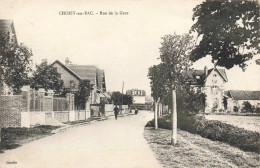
(124, 45)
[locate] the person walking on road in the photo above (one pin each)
(116, 111)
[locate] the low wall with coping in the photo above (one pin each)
(62, 116)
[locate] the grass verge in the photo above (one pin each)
(14, 137)
(195, 151)
(215, 130)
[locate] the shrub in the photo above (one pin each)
(214, 130)
(235, 109)
(247, 107)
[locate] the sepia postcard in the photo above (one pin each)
(129, 83)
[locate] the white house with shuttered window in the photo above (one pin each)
(138, 96)
(212, 83)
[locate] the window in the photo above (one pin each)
(214, 80)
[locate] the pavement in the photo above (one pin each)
(106, 144)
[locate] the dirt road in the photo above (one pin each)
(111, 143)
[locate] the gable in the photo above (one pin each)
(7, 27)
(66, 75)
(214, 78)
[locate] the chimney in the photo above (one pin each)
(206, 71)
(67, 61)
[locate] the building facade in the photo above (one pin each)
(72, 74)
(211, 82)
(138, 96)
(237, 98)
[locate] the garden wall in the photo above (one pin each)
(10, 110)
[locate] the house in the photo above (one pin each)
(72, 74)
(138, 96)
(212, 83)
(236, 98)
(7, 36)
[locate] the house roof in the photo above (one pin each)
(100, 78)
(85, 72)
(66, 68)
(198, 77)
(5, 25)
(244, 95)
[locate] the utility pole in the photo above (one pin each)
(122, 97)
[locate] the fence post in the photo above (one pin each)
(51, 93)
(41, 92)
(87, 109)
(69, 98)
(25, 114)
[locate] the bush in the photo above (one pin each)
(235, 109)
(214, 130)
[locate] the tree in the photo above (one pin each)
(82, 94)
(159, 76)
(116, 97)
(15, 63)
(127, 100)
(229, 31)
(247, 107)
(47, 77)
(174, 53)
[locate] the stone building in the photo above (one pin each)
(72, 74)
(236, 99)
(212, 83)
(138, 96)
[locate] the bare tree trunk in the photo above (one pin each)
(156, 114)
(174, 119)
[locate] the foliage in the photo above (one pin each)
(160, 86)
(174, 55)
(229, 31)
(116, 98)
(247, 107)
(235, 109)
(15, 63)
(82, 94)
(214, 130)
(127, 99)
(190, 102)
(47, 77)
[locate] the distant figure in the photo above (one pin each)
(116, 111)
(136, 110)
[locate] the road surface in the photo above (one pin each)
(111, 143)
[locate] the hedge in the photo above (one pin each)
(214, 130)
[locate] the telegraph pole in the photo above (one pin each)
(122, 97)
